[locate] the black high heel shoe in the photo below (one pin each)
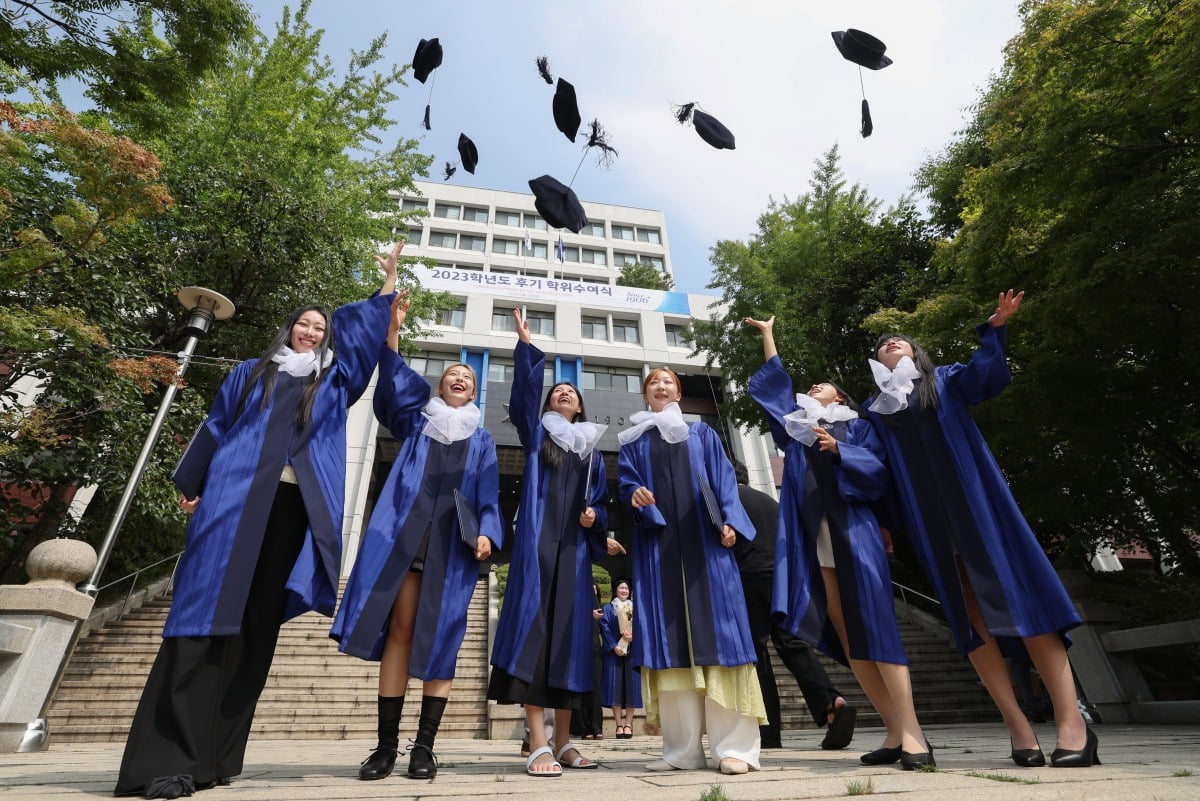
(1083, 758)
(881, 756)
(1028, 757)
(923, 759)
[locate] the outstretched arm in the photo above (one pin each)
(767, 329)
(400, 305)
(1006, 306)
(388, 266)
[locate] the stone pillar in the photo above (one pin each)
(39, 622)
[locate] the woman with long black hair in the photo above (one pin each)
(265, 480)
(986, 565)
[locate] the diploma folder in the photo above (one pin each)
(468, 524)
(710, 504)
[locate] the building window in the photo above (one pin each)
(500, 370)
(593, 229)
(622, 232)
(442, 239)
(502, 271)
(612, 379)
(625, 331)
(466, 242)
(653, 261)
(507, 247)
(677, 336)
(412, 236)
(508, 218)
(597, 257)
(594, 328)
(502, 319)
(534, 221)
(455, 317)
(571, 254)
(414, 205)
(624, 259)
(540, 322)
(447, 211)
(539, 250)
(650, 235)
(475, 214)
(431, 366)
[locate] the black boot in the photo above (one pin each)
(381, 761)
(422, 762)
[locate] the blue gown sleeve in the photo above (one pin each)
(629, 478)
(771, 388)
(190, 473)
(987, 373)
(487, 494)
(359, 330)
(597, 535)
(401, 394)
(529, 366)
(610, 631)
(861, 474)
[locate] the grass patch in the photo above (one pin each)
(1180, 774)
(499, 777)
(715, 792)
(1002, 777)
(860, 788)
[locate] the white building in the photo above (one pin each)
(494, 253)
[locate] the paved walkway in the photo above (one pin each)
(1154, 763)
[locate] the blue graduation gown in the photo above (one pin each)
(249, 453)
(669, 552)
(547, 531)
(617, 673)
(1019, 593)
(864, 579)
(389, 547)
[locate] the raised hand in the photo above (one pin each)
(522, 327)
(1006, 306)
(767, 329)
(388, 266)
(400, 305)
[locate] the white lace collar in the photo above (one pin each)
(670, 423)
(300, 364)
(447, 424)
(579, 438)
(800, 423)
(894, 385)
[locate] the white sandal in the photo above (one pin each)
(553, 769)
(578, 763)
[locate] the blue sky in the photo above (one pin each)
(768, 69)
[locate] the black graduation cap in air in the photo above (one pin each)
(708, 127)
(566, 110)
(426, 59)
(867, 51)
(558, 204)
(468, 157)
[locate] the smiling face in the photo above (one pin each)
(457, 387)
(826, 394)
(308, 332)
(660, 388)
(564, 399)
(892, 350)
(622, 590)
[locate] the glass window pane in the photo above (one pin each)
(508, 247)
(539, 250)
(475, 214)
(622, 232)
(447, 211)
(441, 239)
(502, 320)
(472, 242)
(534, 221)
(414, 205)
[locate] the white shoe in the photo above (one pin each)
(734, 767)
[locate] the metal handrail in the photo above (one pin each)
(904, 593)
(135, 574)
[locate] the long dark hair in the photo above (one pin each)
(847, 398)
(927, 393)
(552, 455)
(266, 370)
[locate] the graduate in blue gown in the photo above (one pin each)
(833, 587)
(542, 655)
(407, 596)
(986, 565)
(621, 681)
(693, 644)
(264, 479)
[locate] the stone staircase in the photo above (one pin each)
(315, 692)
(945, 686)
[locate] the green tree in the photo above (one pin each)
(644, 276)
(820, 264)
(281, 182)
(128, 51)
(1077, 182)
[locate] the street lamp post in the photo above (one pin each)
(205, 306)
